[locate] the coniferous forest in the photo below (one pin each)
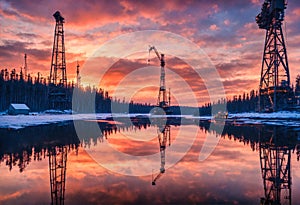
(33, 91)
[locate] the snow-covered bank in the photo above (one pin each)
(284, 118)
(21, 121)
(274, 115)
(35, 119)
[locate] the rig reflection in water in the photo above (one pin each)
(274, 144)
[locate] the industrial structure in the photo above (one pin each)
(58, 76)
(297, 90)
(164, 135)
(78, 77)
(275, 92)
(57, 169)
(275, 161)
(25, 66)
(162, 101)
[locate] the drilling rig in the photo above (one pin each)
(162, 100)
(275, 161)
(58, 76)
(78, 77)
(57, 169)
(275, 92)
(163, 137)
(25, 66)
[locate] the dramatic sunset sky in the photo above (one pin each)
(225, 30)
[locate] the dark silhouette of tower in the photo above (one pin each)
(163, 101)
(163, 137)
(297, 90)
(78, 78)
(275, 161)
(275, 92)
(25, 66)
(57, 169)
(58, 76)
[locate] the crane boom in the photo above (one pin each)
(155, 50)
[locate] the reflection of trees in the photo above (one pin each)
(298, 151)
(275, 144)
(92, 136)
(20, 147)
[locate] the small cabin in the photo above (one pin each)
(18, 109)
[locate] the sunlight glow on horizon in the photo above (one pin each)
(234, 44)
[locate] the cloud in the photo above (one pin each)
(216, 26)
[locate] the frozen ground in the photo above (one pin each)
(35, 119)
(21, 121)
(277, 118)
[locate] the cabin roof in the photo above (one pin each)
(19, 106)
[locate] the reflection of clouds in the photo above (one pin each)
(213, 180)
(207, 181)
(30, 186)
(230, 175)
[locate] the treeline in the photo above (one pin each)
(14, 89)
(242, 103)
(33, 91)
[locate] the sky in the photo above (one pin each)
(225, 31)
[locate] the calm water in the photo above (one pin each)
(249, 163)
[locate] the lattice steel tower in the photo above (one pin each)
(275, 161)
(164, 135)
(275, 92)
(58, 76)
(162, 101)
(57, 169)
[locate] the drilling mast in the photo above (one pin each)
(275, 161)
(275, 92)
(57, 169)
(78, 78)
(25, 66)
(162, 100)
(163, 137)
(58, 77)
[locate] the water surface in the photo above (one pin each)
(238, 171)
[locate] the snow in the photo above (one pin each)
(34, 119)
(283, 118)
(50, 117)
(274, 115)
(19, 106)
(21, 121)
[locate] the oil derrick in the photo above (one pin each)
(58, 77)
(275, 92)
(78, 78)
(275, 161)
(57, 169)
(162, 100)
(25, 66)
(163, 137)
